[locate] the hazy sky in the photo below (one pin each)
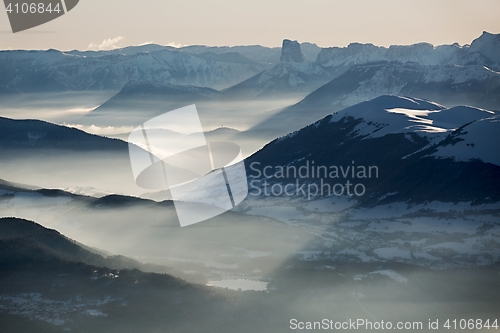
(109, 24)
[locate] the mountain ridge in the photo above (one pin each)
(396, 135)
(215, 67)
(293, 75)
(33, 134)
(450, 85)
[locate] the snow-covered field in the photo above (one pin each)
(56, 312)
(434, 234)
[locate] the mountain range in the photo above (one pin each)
(52, 70)
(373, 174)
(450, 85)
(255, 70)
(422, 152)
(374, 247)
(451, 75)
(399, 135)
(293, 75)
(484, 50)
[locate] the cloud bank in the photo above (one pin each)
(107, 44)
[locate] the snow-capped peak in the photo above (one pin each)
(478, 140)
(488, 45)
(396, 114)
(485, 50)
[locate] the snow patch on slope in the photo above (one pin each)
(479, 140)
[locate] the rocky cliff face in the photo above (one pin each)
(484, 50)
(290, 52)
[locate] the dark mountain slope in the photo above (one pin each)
(31, 135)
(449, 85)
(367, 135)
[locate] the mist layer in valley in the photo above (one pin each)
(83, 248)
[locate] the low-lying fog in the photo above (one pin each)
(105, 173)
(82, 110)
(61, 107)
(238, 251)
(111, 173)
